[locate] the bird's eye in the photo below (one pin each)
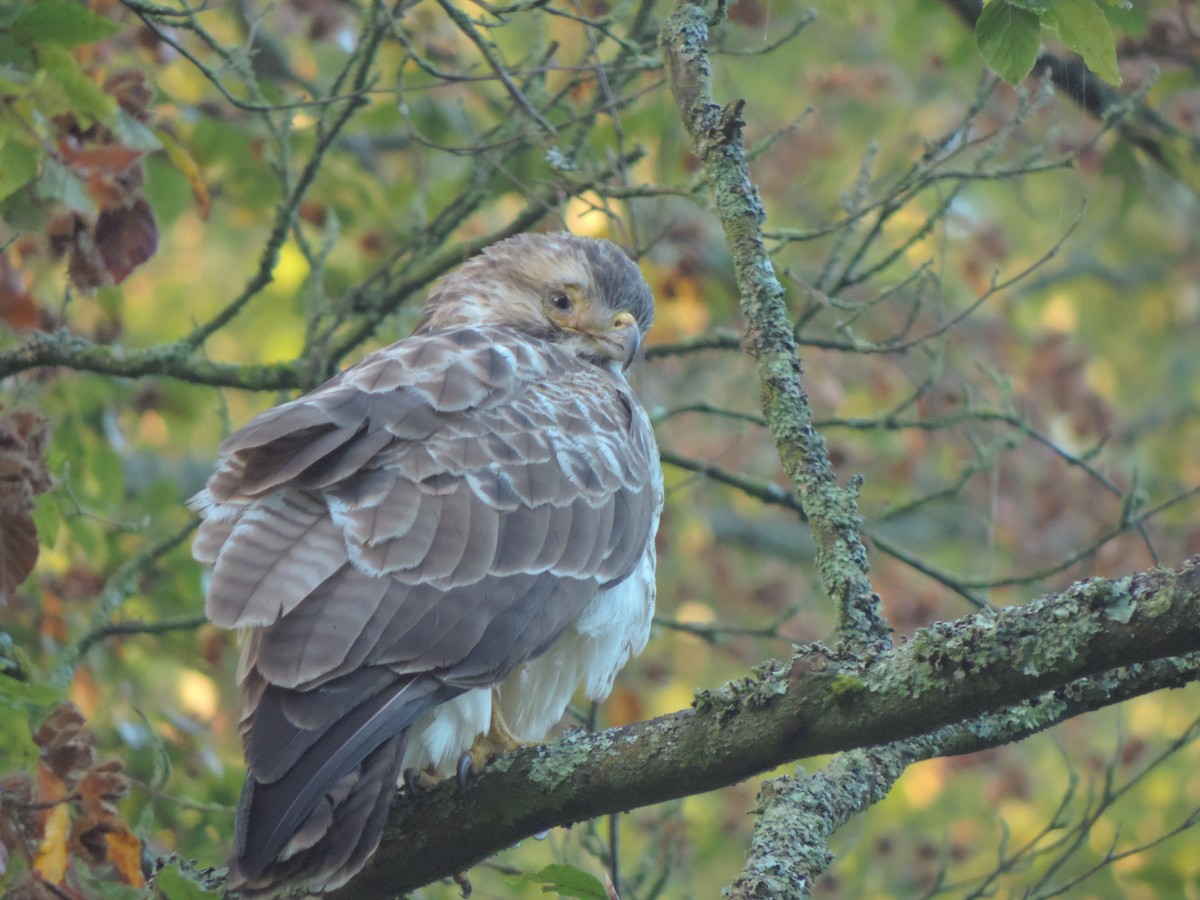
(560, 301)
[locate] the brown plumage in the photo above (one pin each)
(462, 524)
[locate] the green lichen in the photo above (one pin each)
(559, 763)
(1121, 610)
(1045, 635)
(1164, 598)
(767, 681)
(847, 686)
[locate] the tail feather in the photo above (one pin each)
(316, 821)
(334, 842)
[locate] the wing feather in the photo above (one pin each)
(423, 524)
(279, 551)
(317, 635)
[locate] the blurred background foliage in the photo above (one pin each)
(205, 207)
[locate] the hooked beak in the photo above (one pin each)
(626, 337)
(616, 341)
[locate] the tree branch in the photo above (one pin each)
(797, 814)
(1142, 126)
(62, 348)
(816, 703)
(716, 137)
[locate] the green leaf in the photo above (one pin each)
(566, 881)
(62, 22)
(8, 14)
(105, 478)
(20, 702)
(87, 100)
(47, 517)
(175, 885)
(13, 82)
(13, 53)
(61, 184)
(1083, 27)
(18, 165)
(1009, 39)
(133, 134)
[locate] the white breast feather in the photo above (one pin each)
(440, 736)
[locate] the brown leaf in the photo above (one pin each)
(132, 92)
(17, 307)
(18, 548)
(105, 159)
(751, 13)
(24, 819)
(67, 748)
(23, 475)
(50, 789)
(126, 237)
(53, 624)
(26, 434)
(87, 843)
(85, 268)
(623, 707)
(99, 790)
(80, 824)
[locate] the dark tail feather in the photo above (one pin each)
(338, 836)
(319, 817)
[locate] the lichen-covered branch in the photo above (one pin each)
(62, 348)
(716, 137)
(992, 672)
(798, 814)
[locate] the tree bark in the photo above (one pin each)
(818, 702)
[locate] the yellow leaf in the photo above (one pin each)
(51, 859)
(125, 852)
(184, 162)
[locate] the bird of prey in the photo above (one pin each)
(431, 552)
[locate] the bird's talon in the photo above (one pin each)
(461, 879)
(464, 771)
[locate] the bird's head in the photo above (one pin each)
(582, 293)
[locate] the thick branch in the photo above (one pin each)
(798, 814)
(815, 704)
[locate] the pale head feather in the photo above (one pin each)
(508, 283)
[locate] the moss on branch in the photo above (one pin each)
(62, 348)
(955, 687)
(716, 136)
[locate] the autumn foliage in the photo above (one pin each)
(983, 223)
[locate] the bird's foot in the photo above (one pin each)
(417, 783)
(497, 741)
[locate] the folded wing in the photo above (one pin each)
(417, 527)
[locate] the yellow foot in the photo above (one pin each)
(418, 782)
(496, 741)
